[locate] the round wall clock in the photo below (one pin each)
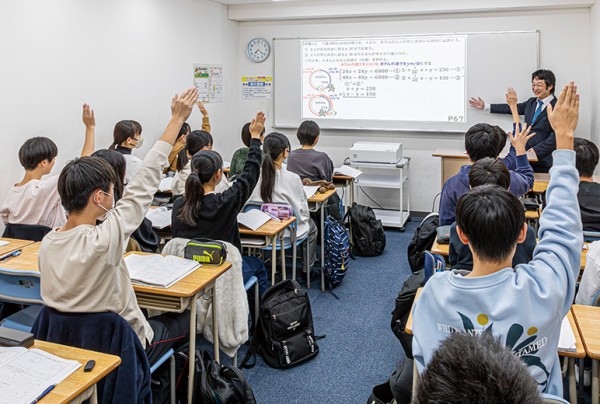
(258, 50)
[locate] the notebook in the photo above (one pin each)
(166, 184)
(566, 341)
(3, 243)
(253, 219)
(158, 270)
(347, 170)
(160, 217)
(310, 190)
(26, 373)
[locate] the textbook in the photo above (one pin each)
(160, 217)
(566, 341)
(310, 190)
(347, 170)
(253, 219)
(3, 243)
(166, 184)
(28, 374)
(158, 270)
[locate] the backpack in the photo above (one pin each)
(284, 336)
(337, 252)
(367, 238)
(214, 383)
(422, 240)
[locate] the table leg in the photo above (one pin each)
(192, 351)
(273, 259)
(94, 396)
(283, 269)
(294, 251)
(595, 386)
(572, 384)
(215, 319)
(323, 206)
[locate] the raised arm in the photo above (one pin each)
(89, 120)
(205, 120)
(522, 180)
(512, 100)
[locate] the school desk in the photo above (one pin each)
(26, 261)
(346, 182)
(541, 180)
(319, 201)
(271, 232)
(588, 323)
(453, 159)
(13, 244)
(79, 381)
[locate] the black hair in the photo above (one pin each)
(123, 130)
(546, 75)
(275, 143)
(308, 132)
(205, 165)
(117, 162)
(475, 369)
(196, 141)
(502, 136)
(80, 178)
(586, 156)
(185, 129)
(481, 141)
(36, 150)
(492, 218)
(138, 126)
(489, 171)
(247, 136)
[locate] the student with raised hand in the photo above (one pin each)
(91, 275)
(182, 136)
(523, 306)
(126, 137)
(279, 185)
(35, 200)
(238, 161)
(481, 141)
(206, 213)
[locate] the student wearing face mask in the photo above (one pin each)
(127, 136)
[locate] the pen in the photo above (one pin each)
(48, 390)
(15, 253)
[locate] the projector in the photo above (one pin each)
(376, 152)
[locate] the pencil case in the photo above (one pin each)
(10, 337)
(281, 211)
(206, 251)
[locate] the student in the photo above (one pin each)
(523, 306)
(475, 369)
(206, 213)
(488, 171)
(481, 141)
(312, 164)
(182, 136)
(279, 185)
(587, 155)
(35, 201)
(127, 136)
(145, 235)
(238, 161)
(90, 274)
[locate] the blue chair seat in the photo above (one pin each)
(22, 320)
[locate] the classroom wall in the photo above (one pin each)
(595, 67)
(126, 58)
(564, 48)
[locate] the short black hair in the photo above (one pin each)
(502, 136)
(308, 132)
(36, 150)
(481, 141)
(491, 217)
(247, 136)
(586, 156)
(80, 178)
(489, 171)
(546, 75)
(475, 369)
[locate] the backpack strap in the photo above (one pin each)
(253, 348)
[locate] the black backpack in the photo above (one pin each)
(367, 238)
(422, 240)
(285, 335)
(404, 302)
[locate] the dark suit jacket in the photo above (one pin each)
(544, 141)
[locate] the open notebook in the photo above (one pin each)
(26, 374)
(347, 170)
(566, 341)
(160, 217)
(158, 270)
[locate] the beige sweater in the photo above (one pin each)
(82, 269)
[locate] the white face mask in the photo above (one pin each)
(140, 142)
(108, 211)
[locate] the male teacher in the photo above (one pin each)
(543, 143)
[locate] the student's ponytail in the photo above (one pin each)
(195, 141)
(274, 144)
(123, 130)
(205, 164)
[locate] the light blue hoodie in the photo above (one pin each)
(524, 306)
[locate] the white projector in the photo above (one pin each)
(376, 152)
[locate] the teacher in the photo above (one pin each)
(543, 83)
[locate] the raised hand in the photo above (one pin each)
(257, 125)
(181, 106)
(564, 116)
(89, 120)
(202, 108)
(511, 97)
(477, 102)
(520, 138)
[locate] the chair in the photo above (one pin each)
(108, 333)
(25, 231)
(21, 287)
(589, 236)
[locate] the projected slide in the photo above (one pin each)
(419, 78)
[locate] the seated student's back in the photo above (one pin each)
(306, 161)
(589, 191)
(238, 161)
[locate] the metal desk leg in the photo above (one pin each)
(283, 269)
(323, 205)
(294, 252)
(572, 384)
(595, 386)
(273, 259)
(192, 351)
(215, 320)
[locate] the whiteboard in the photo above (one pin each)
(491, 62)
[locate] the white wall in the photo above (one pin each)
(564, 48)
(125, 58)
(595, 67)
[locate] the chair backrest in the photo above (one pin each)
(590, 236)
(596, 300)
(103, 332)
(20, 286)
(25, 231)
